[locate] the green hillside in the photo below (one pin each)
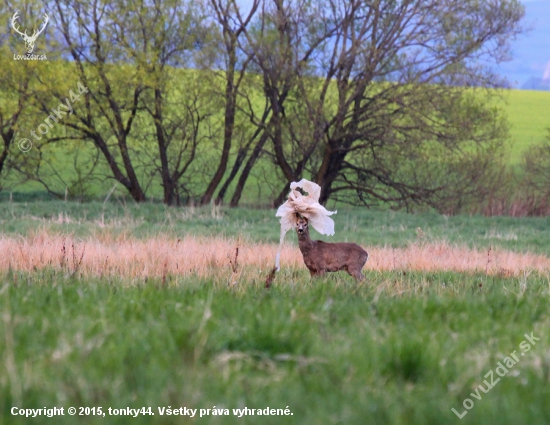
(529, 117)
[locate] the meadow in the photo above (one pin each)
(526, 111)
(121, 305)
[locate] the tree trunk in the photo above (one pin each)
(7, 137)
(329, 171)
(246, 170)
(136, 192)
(167, 182)
(241, 155)
(229, 124)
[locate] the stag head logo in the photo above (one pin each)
(29, 39)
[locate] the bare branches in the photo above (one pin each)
(366, 98)
(390, 75)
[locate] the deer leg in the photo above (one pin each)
(356, 273)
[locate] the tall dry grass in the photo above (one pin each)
(218, 257)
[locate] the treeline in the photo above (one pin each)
(378, 101)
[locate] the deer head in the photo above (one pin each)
(301, 224)
(29, 40)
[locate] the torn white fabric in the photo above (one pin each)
(308, 206)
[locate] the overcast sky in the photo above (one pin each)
(531, 52)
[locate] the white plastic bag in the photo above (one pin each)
(309, 207)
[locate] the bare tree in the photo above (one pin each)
(531, 193)
(160, 38)
(378, 85)
(227, 15)
(108, 109)
(127, 54)
(183, 129)
(537, 166)
(378, 101)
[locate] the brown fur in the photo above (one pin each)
(321, 257)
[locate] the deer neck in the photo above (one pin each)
(304, 241)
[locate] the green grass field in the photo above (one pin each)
(362, 225)
(401, 347)
(529, 118)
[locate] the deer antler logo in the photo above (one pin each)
(29, 40)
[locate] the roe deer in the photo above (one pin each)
(321, 257)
